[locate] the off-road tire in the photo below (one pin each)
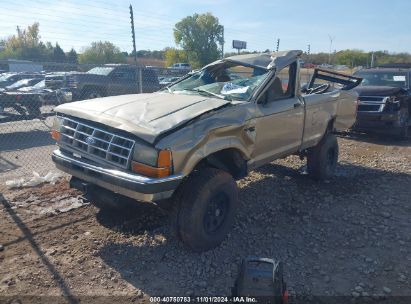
(322, 159)
(91, 93)
(205, 191)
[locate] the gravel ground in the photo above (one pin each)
(349, 236)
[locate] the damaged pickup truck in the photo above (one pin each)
(189, 143)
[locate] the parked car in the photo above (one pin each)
(191, 141)
(28, 82)
(107, 80)
(25, 100)
(182, 66)
(309, 65)
(168, 80)
(7, 79)
(385, 100)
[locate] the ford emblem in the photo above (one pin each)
(90, 140)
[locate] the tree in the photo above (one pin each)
(102, 52)
(25, 44)
(72, 56)
(199, 36)
(58, 54)
(173, 55)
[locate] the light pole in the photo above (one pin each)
(331, 44)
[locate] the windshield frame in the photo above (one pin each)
(215, 66)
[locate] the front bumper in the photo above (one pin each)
(378, 121)
(128, 184)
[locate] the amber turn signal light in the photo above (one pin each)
(55, 135)
(165, 159)
(148, 170)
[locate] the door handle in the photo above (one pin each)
(250, 129)
(297, 104)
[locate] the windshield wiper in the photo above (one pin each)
(225, 97)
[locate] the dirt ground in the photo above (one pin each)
(348, 237)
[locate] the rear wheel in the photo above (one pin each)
(322, 159)
(205, 208)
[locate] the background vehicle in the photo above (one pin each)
(22, 83)
(107, 80)
(25, 100)
(183, 66)
(168, 80)
(192, 140)
(7, 79)
(385, 100)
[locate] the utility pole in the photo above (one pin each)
(331, 44)
(222, 46)
(372, 59)
(278, 45)
(308, 61)
(133, 34)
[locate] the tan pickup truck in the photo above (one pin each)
(189, 142)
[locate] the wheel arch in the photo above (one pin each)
(231, 160)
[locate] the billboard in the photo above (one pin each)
(238, 44)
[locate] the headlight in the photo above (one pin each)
(393, 104)
(151, 162)
(145, 154)
(393, 99)
(56, 128)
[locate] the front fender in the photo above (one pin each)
(223, 130)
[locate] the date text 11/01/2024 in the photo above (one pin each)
(203, 300)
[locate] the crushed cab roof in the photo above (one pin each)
(277, 60)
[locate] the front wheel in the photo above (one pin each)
(322, 159)
(205, 208)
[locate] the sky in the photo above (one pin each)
(368, 25)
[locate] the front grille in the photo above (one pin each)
(372, 103)
(368, 108)
(373, 98)
(96, 143)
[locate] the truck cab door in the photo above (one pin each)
(279, 118)
(122, 81)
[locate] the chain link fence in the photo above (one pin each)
(27, 100)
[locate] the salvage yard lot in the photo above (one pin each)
(348, 236)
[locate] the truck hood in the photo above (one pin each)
(379, 91)
(144, 115)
